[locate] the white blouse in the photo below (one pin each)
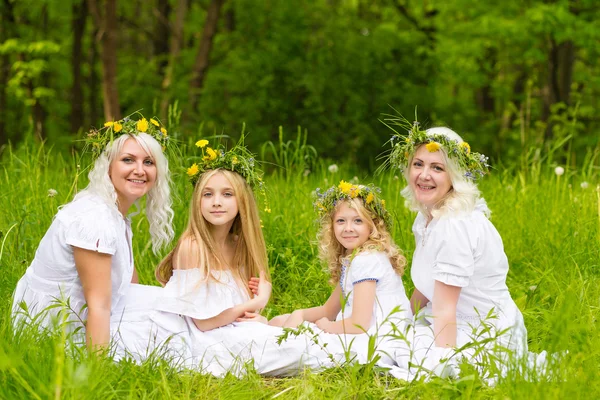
(88, 223)
(464, 251)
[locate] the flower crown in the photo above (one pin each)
(474, 164)
(97, 139)
(237, 159)
(325, 202)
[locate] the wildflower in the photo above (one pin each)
(193, 170)
(370, 198)
(52, 192)
(584, 185)
(142, 125)
(559, 171)
(201, 143)
(261, 223)
(345, 187)
(211, 154)
(268, 210)
(432, 147)
(354, 191)
(465, 146)
(108, 124)
(469, 175)
(383, 203)
(234, 160)
(532, 287)
(333, 168)
(154, 122)
(117, 127)
(396, 177)
(164, 131)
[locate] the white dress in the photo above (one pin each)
(51, 289)
(464, 251)
(230, 348)
(391, 309)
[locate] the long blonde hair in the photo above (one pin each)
(332, 252)
(250, 255)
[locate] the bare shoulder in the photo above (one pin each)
(187, 254)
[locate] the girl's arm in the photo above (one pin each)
(328, 310)
(445, 298)
(93, 269)
(362, 311)
(418, 301)
(231, 314)
(135, 278)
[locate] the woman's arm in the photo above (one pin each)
(362, 311)
(94, 273)
(328, 310)
(445, 298)
(418, 301)
(232, 314)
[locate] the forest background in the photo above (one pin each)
(508, 75)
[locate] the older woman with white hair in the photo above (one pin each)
(459, 267)
(83, 270)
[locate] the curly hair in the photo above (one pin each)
(332, 253)
(158, 203)
(464, 194)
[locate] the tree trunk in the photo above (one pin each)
(93, 80)
(107, 28)
(78, 22)
(175, 48)
(203, 57)
(160, 40)
(561, 59)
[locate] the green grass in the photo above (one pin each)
(549, 224)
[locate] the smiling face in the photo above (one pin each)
(133, 174)
(350, 228)
(428, 177)
(219, 204)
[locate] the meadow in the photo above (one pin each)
(550, 225)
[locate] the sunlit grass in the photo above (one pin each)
(549, 224)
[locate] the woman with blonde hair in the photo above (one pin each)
(459, 267)
(83, 274)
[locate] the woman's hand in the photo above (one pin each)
(252, 317)
(253, 285)
(323, 324)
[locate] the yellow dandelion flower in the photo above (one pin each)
(465, 146)
(117, 127)
(345, 187)
(142, 125)
(354, 191)
(267, 209)
(211, 154)
(154, 122)
(370, 198)
(201, 143)
(108, 124)
(193, 170)
(432, 147)
(234, 161)
(383, 203)
(164, 131)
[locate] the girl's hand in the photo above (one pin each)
(252, 317)
(323, 323)
(264, 291)
(253, 285)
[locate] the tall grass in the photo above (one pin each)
(549, 223)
